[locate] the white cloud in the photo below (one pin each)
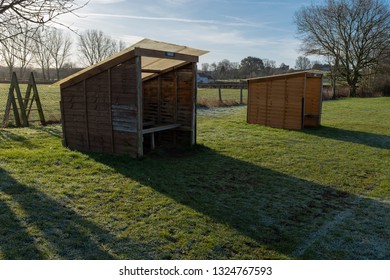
(176, 2)
(149, 18)
(130, 39)
(107, 1)
(255, 2)
(237, 21)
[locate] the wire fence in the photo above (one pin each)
(222, 94)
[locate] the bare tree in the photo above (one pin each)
(16, 50)
(42, 53)
(8, 50)
(302, 63)
(355, 33)
(269, 65)
(117, 46)
(95, 46)
(37, 13)
(205, 67)
(24, 44)
(60, 48)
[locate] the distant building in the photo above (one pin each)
(204, 78)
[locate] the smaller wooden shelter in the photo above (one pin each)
(137, 99)
(290, 101)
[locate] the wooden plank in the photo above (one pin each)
(64, 136)
(23, 115)
(165, 55)
(160, 128)
(140, 149)
(127, 107)
(123, 128)
(86, 111)
(320, 102)
(96, 69)
(170, 69)
(159, 81)
(278, 77)
(151, 71)
(175, 102)
(126, 143)
(194, 100)
(71, 99)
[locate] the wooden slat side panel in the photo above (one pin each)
(169, 99)
(258, 102)
(170, 106)
(98, 110)
(275, 103)
(185, 99)
(293, 103)
(124, 118)
(313, 96)
(151, 101)
(125, 143)
(124, 108)
(73, 104)
(124, 84)
(102, 117)
(313, 102)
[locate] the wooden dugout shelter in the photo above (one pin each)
(139, 98)
(291, 101)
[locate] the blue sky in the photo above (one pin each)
(229, 29)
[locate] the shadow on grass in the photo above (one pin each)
(35, 226)
(53, 130)
(358, 137)
(7, 135)
(294, 217)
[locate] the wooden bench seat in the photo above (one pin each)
(153, 129)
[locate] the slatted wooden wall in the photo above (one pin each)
(278, 101)
(100, 113)
(313, 102)
(169, 98)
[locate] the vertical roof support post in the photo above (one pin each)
(140, 137)
(304, 101)
(86, 114)
(321, 96)
(194, 100)
(64, 137)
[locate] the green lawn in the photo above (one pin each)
(245, 192)
(49, 96)
(209, 97)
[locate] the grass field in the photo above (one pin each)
(245, 192)
(209, 97)
(49, 96)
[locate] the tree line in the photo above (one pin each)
(251, 67)
(248, 67)
(51, 50)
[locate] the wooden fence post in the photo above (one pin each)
(241, 87)
(220, 93)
